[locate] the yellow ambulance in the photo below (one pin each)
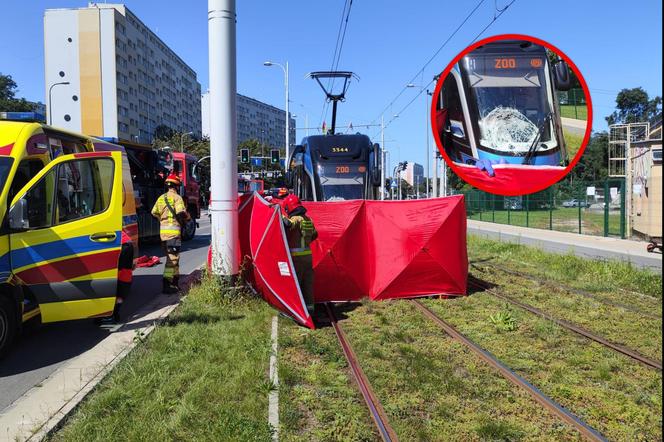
(66, 212)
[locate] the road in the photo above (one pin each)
(39, 353)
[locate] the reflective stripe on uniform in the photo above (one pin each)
(169, 229)
(300, 251)
(307, 252)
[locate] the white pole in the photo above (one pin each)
(223, 136)
(426, 117)
(435, 174)
(382, 158)
(287, 118)
(444, 179)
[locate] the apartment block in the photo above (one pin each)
(107, 74)
(255, 120)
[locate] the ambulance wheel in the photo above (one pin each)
(189, 230)
(7, 325)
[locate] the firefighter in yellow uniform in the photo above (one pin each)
(172, 215)
(300, 232)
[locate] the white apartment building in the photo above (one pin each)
(414, 174)
(122, 80)
(255, 120)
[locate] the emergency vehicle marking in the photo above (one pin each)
(70, 267)
(6, 150)
(67, 291)
(32, 255)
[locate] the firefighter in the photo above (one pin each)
(172, 215)
(300, 232)
(279, 197)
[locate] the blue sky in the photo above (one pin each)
(615, 44)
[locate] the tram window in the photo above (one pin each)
(84, 188)
(452, 102)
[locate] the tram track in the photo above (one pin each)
(376, 410)
(588, 432)
(652, 363)
(573, 290)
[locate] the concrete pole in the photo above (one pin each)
(223, 136)
(434, 188)
(287, 117)
(382, 158)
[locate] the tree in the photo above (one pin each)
(634, 106)
(8, 100)
(163, 132)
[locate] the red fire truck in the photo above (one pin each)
(149, 168)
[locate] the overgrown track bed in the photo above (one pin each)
(434, 388)
(586, 430)
(488, 267)
(375, 408)
(574, 328)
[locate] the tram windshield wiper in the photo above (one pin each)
(536, 141)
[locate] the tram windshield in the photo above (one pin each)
(341, 181)
(509, 100)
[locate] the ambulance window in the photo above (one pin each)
(39, 201)
(25, 171)
(84, 188)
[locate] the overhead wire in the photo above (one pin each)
(435, 54)
(497, 14)
(341, 38)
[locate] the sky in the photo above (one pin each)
(615, 44)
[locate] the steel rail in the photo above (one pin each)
(575, 328)
(549, 404)
(574, 290)
(375, 408)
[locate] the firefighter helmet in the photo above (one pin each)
(291, 203)
(173, 179)
(282, 193)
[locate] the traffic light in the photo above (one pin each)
(275, 156)
(244, 156)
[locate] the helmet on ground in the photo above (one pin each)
(282, 193)
(291, 203)
(173, 179)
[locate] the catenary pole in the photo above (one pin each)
(382, 158)
(223, 136)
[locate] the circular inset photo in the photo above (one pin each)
(511, 114)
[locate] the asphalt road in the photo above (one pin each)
(40, 352)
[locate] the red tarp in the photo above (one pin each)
(272, 271)
(511, 179)
(389, 249)
(375, 249)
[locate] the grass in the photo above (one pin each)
(318, 398)
(618, 325)
(567, 111)
(433, 388)
(617, 396)
(615, 277)
(573, 142)
(202, 375)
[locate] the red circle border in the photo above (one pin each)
(500, 37)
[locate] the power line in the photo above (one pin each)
(495, 17)
(435, 54)
(341, 37)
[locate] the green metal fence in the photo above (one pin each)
(586, 208)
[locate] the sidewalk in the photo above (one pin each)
(574, 126)
(595, 247)
(43, 407)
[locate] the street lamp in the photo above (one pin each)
(285, 69)
(426, 119)
(50, 107)
(182, 140)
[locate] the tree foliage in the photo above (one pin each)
(8, 100)
(634, 105)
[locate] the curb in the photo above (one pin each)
(43, 408)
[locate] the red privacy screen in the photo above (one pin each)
(389, 249)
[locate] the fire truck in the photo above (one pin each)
(149, 168)
(66, 212)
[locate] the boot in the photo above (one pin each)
(168, 288)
